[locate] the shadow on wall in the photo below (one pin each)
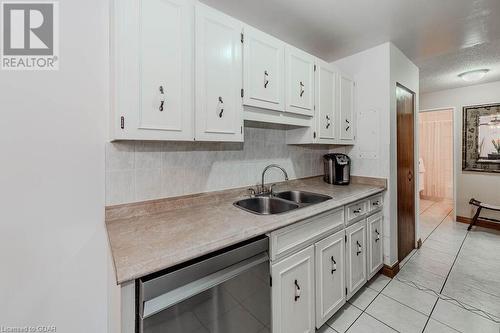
(145, 170)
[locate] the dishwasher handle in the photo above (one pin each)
(175, 296)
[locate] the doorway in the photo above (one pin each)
(436, 169)
(405, 103)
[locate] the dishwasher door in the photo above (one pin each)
(227, 291)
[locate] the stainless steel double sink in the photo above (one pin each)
(282, 202)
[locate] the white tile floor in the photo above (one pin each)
(462, 267)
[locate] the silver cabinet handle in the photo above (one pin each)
(301, 88)
(359, 248)
(266, 80)
(334, 265)
(328, 122)
(221, 103)
(357, 211)
(162, 99)
(376, 203)
(348, 126)
(378, 235)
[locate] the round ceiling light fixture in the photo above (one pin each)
(473, 76)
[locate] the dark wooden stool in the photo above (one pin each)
(480, 206)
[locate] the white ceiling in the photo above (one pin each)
(442, 37)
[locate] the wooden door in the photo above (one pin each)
(406, 171)
(293, 293)
(330, 276)
(263, 70)
(218, 60)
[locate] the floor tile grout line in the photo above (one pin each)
(436, 225)
(415, 252)
(447, 276)
(433, 203)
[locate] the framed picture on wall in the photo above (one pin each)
(481, 138)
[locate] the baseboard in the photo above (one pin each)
(479, 223)
(391, 271)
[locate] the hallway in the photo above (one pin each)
(449, 285)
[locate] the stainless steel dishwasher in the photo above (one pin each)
(227, 291)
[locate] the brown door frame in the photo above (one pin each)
(406, 209)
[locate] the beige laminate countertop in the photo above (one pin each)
(148, 237)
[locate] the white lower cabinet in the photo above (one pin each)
(356, 257)
(293, 293)
(317, 264)
(374, 225)
(330, 276)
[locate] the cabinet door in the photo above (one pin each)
(263, 70)
(325, 78)
(375, 247)
(330, 276)
(219, 106)
(346, 104)
(153, 70)
(293, 293)
(299, 75)
(355, 257)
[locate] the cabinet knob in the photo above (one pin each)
(297, 290)
(266, 80)
(334, 265)
(220, 112)
(301, 88)
(359, 248)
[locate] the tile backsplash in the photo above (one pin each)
(145, 170)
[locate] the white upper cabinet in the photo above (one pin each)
(263, 70)
(325, 101)
(152, 51)
(219, 107)
(299, 78)
(347, 114)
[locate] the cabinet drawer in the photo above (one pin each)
(356, 211)
(289, 238)
(375, 202)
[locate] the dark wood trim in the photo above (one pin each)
(391, 271)
(480, 222)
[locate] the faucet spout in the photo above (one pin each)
(269, 167)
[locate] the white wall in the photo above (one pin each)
(376, 72)
(482, 186)
(370, 156)
(53, 244)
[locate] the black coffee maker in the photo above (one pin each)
(337, 169)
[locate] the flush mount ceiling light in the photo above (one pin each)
(475, 75)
